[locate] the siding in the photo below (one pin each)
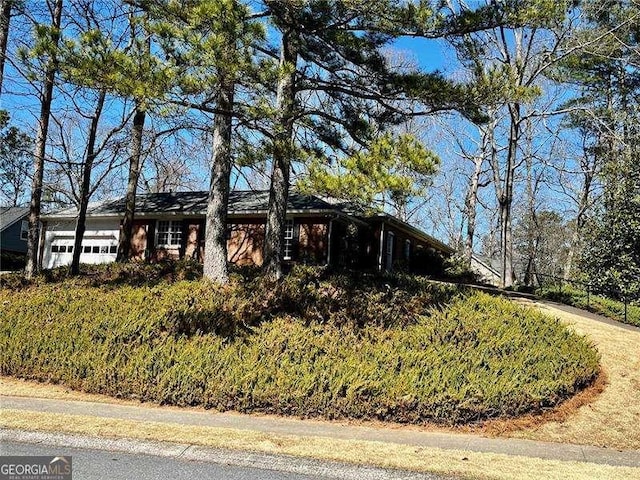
(313, 242)
(10, 240)
(244, 244)
(99, 233)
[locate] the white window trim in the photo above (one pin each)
(170, 233)
(24, 229)
(288, 235)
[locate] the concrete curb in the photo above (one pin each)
(313, 428)
(182, 451)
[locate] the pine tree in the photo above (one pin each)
(6, 7)
(45, 52)
(335, 51)
(609, 83)
(212, 43)
(387, 175)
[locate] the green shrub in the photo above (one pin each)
(594, 303)
(114, 274)
(456, 269)
(190, 343)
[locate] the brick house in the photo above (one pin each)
(319, 231)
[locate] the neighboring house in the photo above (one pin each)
(14, 229)
(318, 232)
(487, 269)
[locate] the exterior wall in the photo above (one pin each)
(10, 240)
(245, 242)
(423, 257)
(100, 235)
(140, 234)
(313, 241)
(487, 274)
(352, 245)
(194, 239)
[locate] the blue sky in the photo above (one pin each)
(430, 54)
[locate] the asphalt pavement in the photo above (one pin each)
(180, 462)
(314, 428)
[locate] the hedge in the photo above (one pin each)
(190, 343)
(608, 307)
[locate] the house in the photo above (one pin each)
(319, 231)
(487, 269)
(14, 231)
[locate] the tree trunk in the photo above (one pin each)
(532, 228)
(588, 171)
(506, 200)
(85, 187)
(282, 152)
(126, 231)
(41, 142)
(5, 19)
(215, 250)
(470, 208)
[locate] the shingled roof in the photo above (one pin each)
(241, 202)
(10, 215)
(195, 203)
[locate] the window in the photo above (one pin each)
(288, 240)
(389, 251)
(407, 250)
(90, 249)
(169, 233)
(54, 248)
(24, 230)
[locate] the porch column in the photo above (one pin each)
(381, 249)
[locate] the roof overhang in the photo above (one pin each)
(416, 232)
(14, 221)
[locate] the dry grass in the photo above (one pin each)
(448, 462)
(612, 418)
(559, 414)
(18, 387)
(606, 414)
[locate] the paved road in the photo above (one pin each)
(303, 428)
(97, 464)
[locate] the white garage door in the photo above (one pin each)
(94, 250)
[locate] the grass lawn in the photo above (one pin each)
(609, 418)
(612, 418)
(317, 345)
